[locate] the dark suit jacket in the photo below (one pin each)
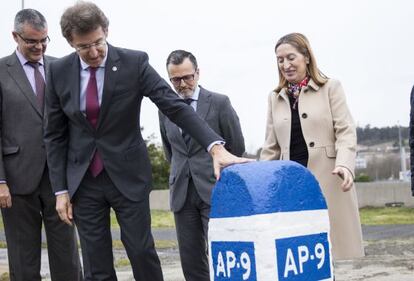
(194, 160)
(412, 139)
(71, 140)
(23, 156)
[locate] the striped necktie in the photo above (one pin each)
(39, 84)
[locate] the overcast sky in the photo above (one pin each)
(368, 45)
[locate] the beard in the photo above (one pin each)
(185, 92)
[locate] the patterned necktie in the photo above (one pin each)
(92, 114)
(186, 136)
(39, 83)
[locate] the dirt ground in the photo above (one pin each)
(389, 257)
(386, 260)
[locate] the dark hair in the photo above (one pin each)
(177, 57)
(29, 16)
(302, 45)
(82, 18)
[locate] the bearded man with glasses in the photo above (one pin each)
(26, 196)
(192, 174)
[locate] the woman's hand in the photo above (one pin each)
(346, 176)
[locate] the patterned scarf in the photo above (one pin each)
(294, 90)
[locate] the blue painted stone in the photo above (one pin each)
(265, 187)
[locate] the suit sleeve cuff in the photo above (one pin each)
(61, 192)
(214, 143)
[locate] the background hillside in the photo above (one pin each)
(379, 155)
(368, 135)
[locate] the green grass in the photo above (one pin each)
(121, 262)
(162, 219)
(369, 216)
(386, 215)
(5, 277)
(159, 219)
(159, 244)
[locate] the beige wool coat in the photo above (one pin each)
(330, 135)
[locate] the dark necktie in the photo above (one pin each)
(186, 136)
(92, 114)
(39, 83)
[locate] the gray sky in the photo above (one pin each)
(367, 45)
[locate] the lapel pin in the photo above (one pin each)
(114, 68)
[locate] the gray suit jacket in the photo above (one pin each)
(23, 156)
(71, 140)
(194, 160)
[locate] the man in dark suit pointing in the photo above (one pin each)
(26, 197)
(192, 176)
(98, 158)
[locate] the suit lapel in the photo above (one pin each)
(112, 68)
(283, 95)
(203, 103)
(17, 73)
(203, 106)
(74, 81)
(176, 133)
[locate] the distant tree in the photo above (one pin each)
(382, 167)
(373, 135)
(160, 166)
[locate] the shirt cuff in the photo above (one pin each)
(2, 181)
(61, 192)
(214, 143)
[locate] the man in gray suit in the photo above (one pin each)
(26, 196)
(192, 176)
(98, 158)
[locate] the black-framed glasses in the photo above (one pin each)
(186, 78)
(33, 42)
(87, 47)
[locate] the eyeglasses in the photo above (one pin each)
(186, 78)
(33, 42)
(85, 48)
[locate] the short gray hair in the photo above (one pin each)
(29, 16)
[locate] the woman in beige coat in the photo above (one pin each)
(309, 122)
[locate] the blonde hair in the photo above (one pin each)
(301, 44)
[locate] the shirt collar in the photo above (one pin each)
(23, 60)
(196, 93)
(85, 66)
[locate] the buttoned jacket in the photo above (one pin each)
(330, 134)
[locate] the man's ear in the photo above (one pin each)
(15, 36)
